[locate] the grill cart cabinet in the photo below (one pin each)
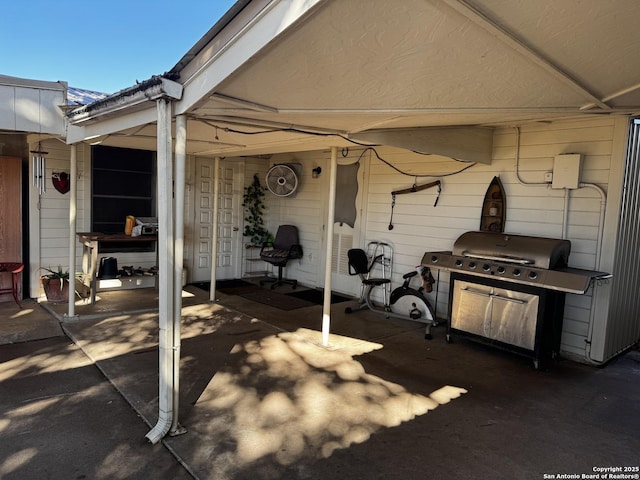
(525, 320)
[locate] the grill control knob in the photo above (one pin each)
(434, 259)
(486, 267)
(472, 265)
(516, 272)
(533, 275)
(458, 263)
(501, 270)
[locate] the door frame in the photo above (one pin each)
(237, 218)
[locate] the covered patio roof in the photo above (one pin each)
(433, 76)
(274, 76)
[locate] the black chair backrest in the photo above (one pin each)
(286, 236)
(358, 261)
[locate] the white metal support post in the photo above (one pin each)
(326, 308)
(165, 274)
(73, 209)
(178, 267)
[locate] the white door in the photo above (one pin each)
(229, 219)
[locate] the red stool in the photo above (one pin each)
(15, 269)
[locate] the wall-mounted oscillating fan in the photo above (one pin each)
(282, 180)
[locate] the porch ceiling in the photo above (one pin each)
(357, 66)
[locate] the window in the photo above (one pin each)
(123, 183)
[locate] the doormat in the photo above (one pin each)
(230, 287)
(317, 296)
(275, 299)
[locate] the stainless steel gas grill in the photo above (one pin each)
(509, 290)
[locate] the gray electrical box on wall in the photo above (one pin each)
(566, 170)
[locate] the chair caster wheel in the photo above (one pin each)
(428, 336)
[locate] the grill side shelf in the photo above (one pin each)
(576, 280)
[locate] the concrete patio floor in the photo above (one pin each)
(261, 398)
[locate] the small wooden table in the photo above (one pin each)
(91, 244)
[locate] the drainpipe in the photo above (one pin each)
(326, 307)
(165, 274)
(73, 205)
(178, 267)
(214, 228)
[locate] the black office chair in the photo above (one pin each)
(285, 248)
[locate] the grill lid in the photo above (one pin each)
(541, 252)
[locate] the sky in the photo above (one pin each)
(101, 45)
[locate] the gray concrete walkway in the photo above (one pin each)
(60, 418)
(262, 399)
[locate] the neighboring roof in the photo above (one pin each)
(75, 96)
(79, 96)
(31, 105)
(30, 83)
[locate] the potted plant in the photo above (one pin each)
(253, 209)
(56, 284)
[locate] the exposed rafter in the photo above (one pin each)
(238, 102)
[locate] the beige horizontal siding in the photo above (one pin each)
(531, 209)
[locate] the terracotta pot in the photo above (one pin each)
(54, 291)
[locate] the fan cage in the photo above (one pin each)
(282, 180)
